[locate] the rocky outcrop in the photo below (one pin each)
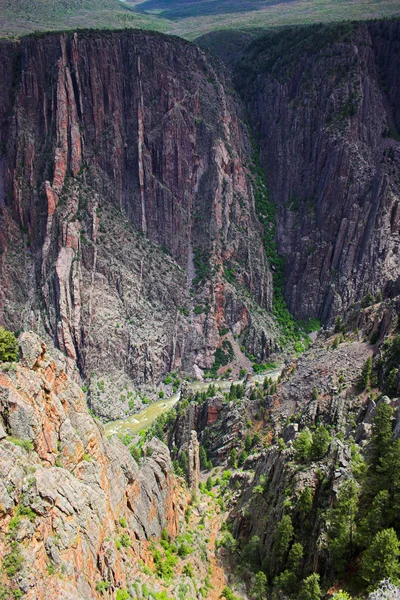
(128, 231)
(219, 427)
(324, 104)
(193, 462)
(68, 496)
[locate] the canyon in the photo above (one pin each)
(166, 216)
(125, 182)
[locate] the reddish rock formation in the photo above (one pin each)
(65, 489)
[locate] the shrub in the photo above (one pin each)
(102, 586)
(8, 346)
(13, 561)
(228, 594)
(188, 570)
(26, 444)
(125, 540)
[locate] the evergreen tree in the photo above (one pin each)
(381, 560)
(285, 582)
(366, 373)
(259, 589)
(341, 525)
(296, 554)
(310, 589)
(320, 443)
(375, 520)
(205, 464)
(302, 445)
(252, 554)
(381, 439)
(283, 537)
(392, 470)
(305, 502)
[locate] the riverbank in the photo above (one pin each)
(145, 418)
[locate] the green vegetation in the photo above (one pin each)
(222, 357)
(27, 16)
(202, 266)
(365, 377)
(205, 463)
(386, 370)
(310, 589)
(13, 560)
(26, 444)
(164, 562)
(312, 445)
(228, 594)
(381, 559)
(8, 346)
(293, 332)
(187, 19)
(102, 586)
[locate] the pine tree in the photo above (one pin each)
(375, 520)
(296, 554)
(302, 445)
(310, 589)
(381, 560)
(283, 537)
(341, 525)
(259, 590)
(381, 439)
(320, 443)
(251, 553)
(365, 376)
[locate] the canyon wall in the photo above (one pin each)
(323, 102)
(67, 494)
(128, 230)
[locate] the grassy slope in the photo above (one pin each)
(19, 17)
(201, 19)
(186, 18)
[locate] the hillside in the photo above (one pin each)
(188, 19)
(22, 17)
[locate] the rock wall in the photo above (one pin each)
(324, 104)
(125, 200)
(67, 494)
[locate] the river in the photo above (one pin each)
(145, 418)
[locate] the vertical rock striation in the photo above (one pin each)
(124, 186)
(324, 102)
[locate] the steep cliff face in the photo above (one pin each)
(126, 206)
(324, 104)
(67, 494)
